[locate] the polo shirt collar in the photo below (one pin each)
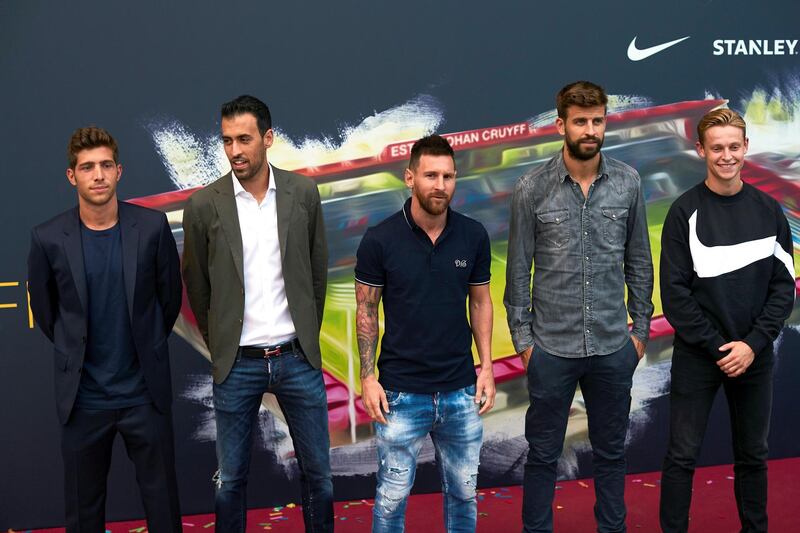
(410, 220)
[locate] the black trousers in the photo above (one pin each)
(695, 381)
(86, 443)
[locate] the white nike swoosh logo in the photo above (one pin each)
(713, 261)
(636, 54)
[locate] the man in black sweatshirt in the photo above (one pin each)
(727, 286)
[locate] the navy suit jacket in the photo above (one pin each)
(58, 296)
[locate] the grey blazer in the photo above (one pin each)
(213, 265)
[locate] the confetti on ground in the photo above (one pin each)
(137, 530)
(559, 507)
(184, 523)
(342, 518)
(278, 508)
(649, 485)
(276, 514)
(291, 505)
(582, 484)
(483, 514)
(559, 487)
(729, 477)
(208, 525)
(709, 482)
(636, 481)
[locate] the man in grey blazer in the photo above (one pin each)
(255, 266)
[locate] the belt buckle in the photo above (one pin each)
(274, 351)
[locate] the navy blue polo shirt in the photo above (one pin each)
(427, 343)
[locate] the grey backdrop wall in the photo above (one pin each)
(155, 73)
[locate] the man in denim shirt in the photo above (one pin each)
(580, 218)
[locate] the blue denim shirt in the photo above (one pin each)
(584, 251)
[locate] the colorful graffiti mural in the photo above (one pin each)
(361, 183)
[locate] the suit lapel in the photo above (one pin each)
(73, 250)
(284, 205)
(130, 252)
(225, 204)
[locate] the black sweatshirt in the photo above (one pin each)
(727, 272)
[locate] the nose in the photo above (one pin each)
(590, 128)
(439, 184)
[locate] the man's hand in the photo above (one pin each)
(639, 345)
(485, 388)
(525, 357)
(374, 398)
(738, 359)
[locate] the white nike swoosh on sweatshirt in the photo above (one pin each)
(713, 261)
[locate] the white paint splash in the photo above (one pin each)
(617, 103)
(194, 160)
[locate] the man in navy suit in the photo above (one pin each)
(105, 287)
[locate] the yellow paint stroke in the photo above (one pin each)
(9, 283)
(8, 306)
(30, 311)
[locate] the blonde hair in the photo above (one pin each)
(720, 117)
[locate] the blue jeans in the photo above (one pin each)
(605, 382)
(695, 382)
(300, 391)
(451, 419)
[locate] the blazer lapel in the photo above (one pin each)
(130, 253)
(284, 205)
(225, 204)
(73, 250)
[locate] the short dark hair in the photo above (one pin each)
(249, 104)
(86, 139)
(430, 145)
(581, 94)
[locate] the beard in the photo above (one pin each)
(253, 168)
(429, 204)
(577, 151)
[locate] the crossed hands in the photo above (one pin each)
(739, 358)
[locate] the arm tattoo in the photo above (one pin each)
(367, 299)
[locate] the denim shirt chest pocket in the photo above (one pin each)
(552, 228)
(615, 224)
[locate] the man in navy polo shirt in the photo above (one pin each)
(424, 261)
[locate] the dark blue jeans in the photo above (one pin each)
(300, 390)
(695, 382)
(605, 382)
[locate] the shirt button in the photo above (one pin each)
(557, 219)
(587, 331)
(586, 233)
(587, 257)
(587, 307)
(587, 282)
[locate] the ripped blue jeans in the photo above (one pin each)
(451, 419)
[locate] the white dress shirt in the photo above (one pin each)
(267, 320)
